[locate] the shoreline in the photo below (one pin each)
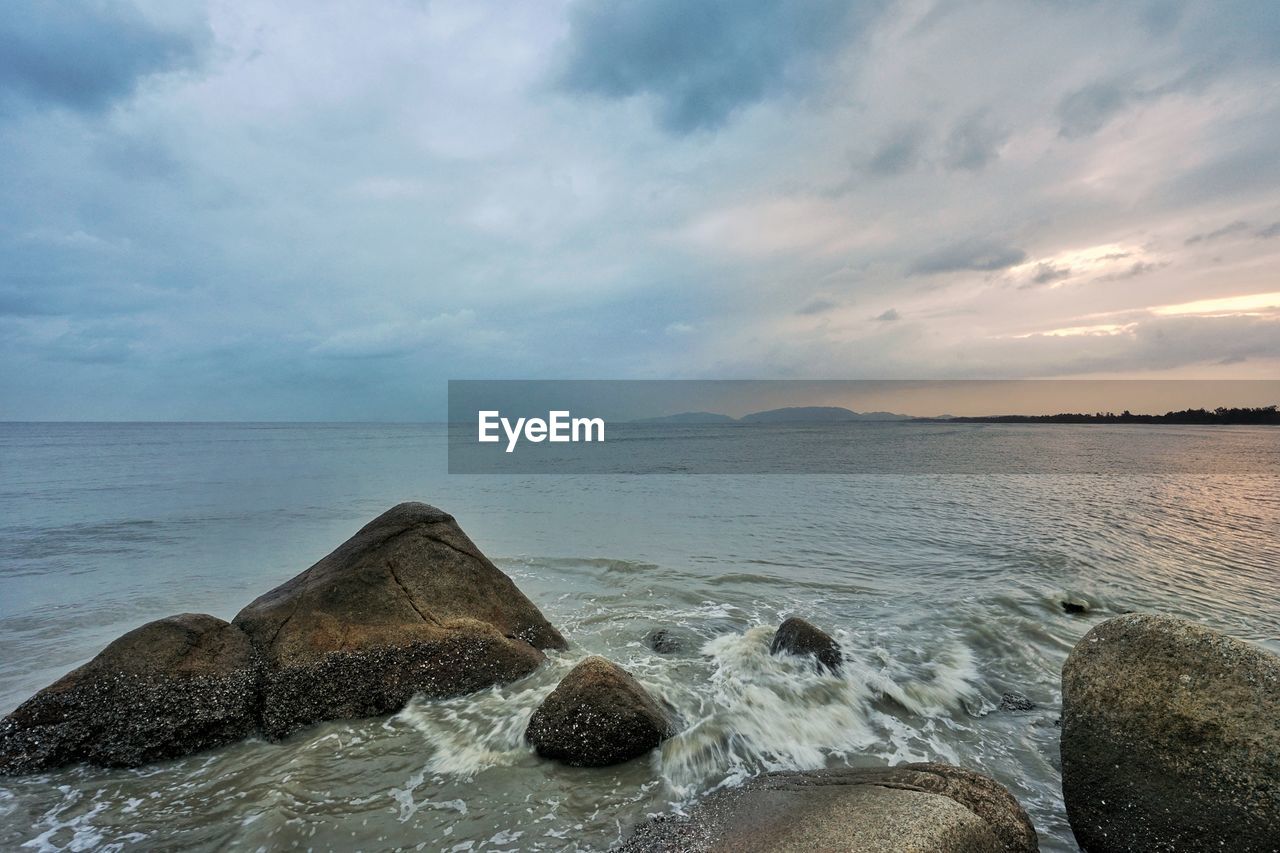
(246, 674)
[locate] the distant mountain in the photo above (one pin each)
(819, 414)
(688, 418)
(882, 416)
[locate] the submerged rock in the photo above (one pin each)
(797, 637)
(1170, 739)
(1014, 701)
(408, 605)
(663, 641)
(921, 808)
(166, 689)
(598, 715)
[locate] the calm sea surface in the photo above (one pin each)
(945, 591)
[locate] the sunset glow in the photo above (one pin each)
(1254, 304)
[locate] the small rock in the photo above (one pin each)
(1075, 607)
(795, 636)
(1169, 734)
(167, 689)
(1014, 701)
(663, 641)
(598, 715)
(913, 807)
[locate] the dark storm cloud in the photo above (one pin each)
(972, 144)
(972, 255)
(1134, 270)
(1048, 274)
(85, 55)
(1086, 111)
(816, 306)
(899, 153)
(702, 61)
(969, 146)
(1212, 40)
(1225, 231)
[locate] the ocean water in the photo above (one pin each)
(944, 591)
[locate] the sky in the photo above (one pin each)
(326, 210)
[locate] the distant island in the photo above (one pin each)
(1221, 416)
(689, 418)
(789, 414)
(824, 414)
(836, 414)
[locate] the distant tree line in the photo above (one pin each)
(1220, 415)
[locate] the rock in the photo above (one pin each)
(1075, 607)
(663, 641)
(797, 637)
(1170, 739)
(1015, 701)
(598, 715)
(167, 689)
(921, 808)
(408, 605)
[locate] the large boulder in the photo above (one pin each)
(795, 636)
(912, 808)
(1170, 739)
(169, 688)
(408, 605)
(598, 715)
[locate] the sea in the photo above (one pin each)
(945, 590)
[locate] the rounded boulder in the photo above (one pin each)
(167, 689)
(911, 808)
(795, 636)
(407, 605)
(598, 715)
(1170, 739)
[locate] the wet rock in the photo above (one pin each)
(921, 808)
(797, 637)
(664, 641)
(167, 689)
(1014, 701)
(408, 605)
(1169, 739)
(1075, 608)
(598, 715)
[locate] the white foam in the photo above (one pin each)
(57, 824)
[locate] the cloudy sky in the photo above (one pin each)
(264, 210)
